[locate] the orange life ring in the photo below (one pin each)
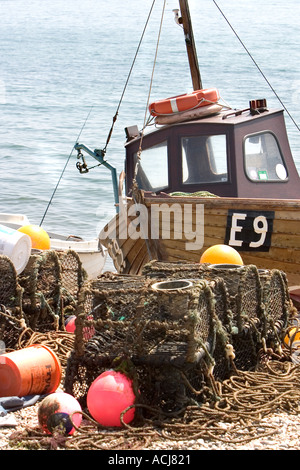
(177, 104)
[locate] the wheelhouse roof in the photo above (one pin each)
(226, 118)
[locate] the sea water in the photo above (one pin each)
(64, 67)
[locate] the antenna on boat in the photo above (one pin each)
(186, 22)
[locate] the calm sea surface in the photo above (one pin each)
(64, 65)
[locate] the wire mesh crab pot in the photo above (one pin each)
(178, 270)
(237, 291)
(167, 332)
(40, 281)
(279, 310)
(73, 277)
(175, 328)
(11, 314)
(257, 307)
(51, 282)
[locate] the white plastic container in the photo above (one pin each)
(16, 246)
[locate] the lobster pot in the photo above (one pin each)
(173, 296)
(107, 304)
(222, 307)
(248, 322)
(222, 363)
(241, 285)
(159, 348)
(126, 305)
(41, 282)
(10, 290)
(238, 307)
(73, 277)
(177, 270)
(277, 304)
(113, 296)
(11, 314)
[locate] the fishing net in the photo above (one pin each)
(177, 329)
(73, 277)
(41, 297)
(51, 283)
(10, 291)
(275, 297)
(11, 314)
(257, 308)
(40, 281)
(133, 324)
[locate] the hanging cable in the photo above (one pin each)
(114, 118)
(255, 63)
(128, 77)
(65, 166)
(150, 88)
(135, 186)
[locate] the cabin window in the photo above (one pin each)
(204, 159)
(263, 159)
(152, 168)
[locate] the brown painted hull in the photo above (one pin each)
(282, 252)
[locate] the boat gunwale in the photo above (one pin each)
(224, 201)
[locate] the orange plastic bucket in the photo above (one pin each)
(34, 370)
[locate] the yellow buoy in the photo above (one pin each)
(39, 237)
(292, 336)
(221, 254)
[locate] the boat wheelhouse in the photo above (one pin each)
(231, 154)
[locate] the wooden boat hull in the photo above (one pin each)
(267, 230)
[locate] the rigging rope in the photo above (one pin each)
(129, 74)
(150, 88)
(89, 113)
(65, 166)
(135, 185)
(255, 63)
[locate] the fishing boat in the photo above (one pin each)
(206, 174)
(91, 253)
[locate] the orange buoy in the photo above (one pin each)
(219, 254)
(35, 369)
(40, 239)
(185, 102)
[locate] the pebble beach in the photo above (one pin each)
(284, 428)
(277, 427)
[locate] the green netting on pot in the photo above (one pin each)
(177, 324)
(11, 314)
(73, 277)
(10, 290)
(41, 282)
(51, 285)
(279, 310)
(168, 327)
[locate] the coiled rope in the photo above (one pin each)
(240, 416)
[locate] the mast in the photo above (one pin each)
(190, 44)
